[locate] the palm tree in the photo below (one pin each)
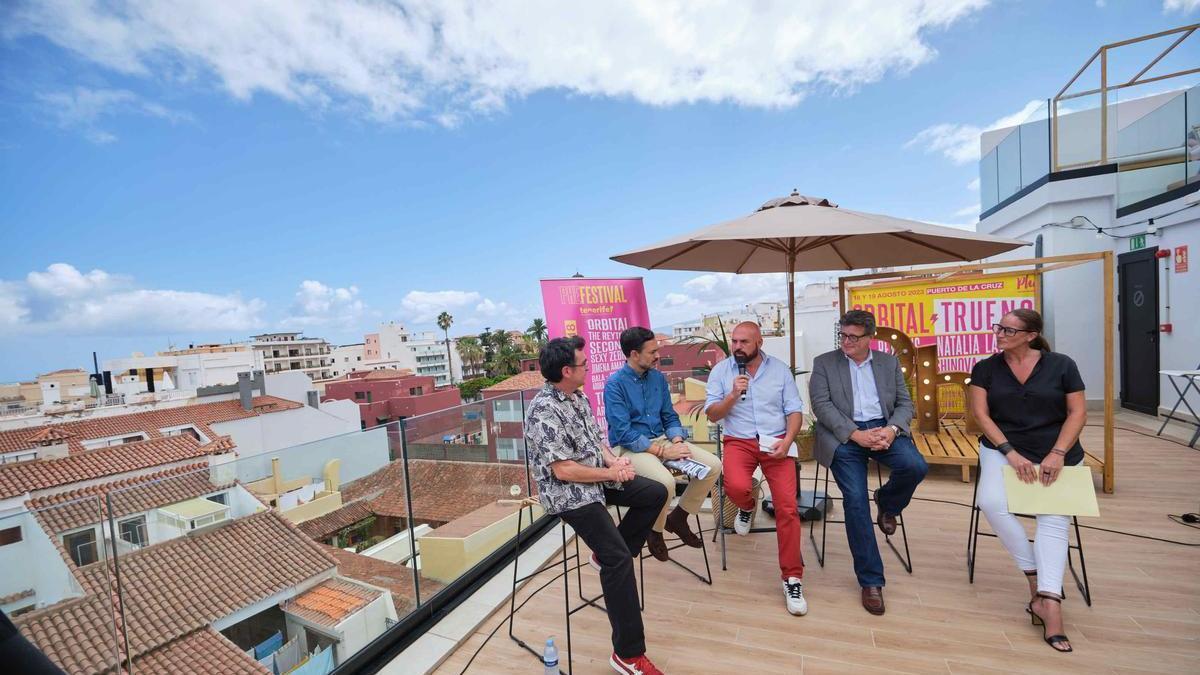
(444, 321)
(530, 346)
(471, 353)
(537, 331)
(507, 360)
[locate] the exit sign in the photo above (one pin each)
(1137, 241)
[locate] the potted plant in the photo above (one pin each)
(806, 439)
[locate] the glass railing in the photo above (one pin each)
(1157, 144)
(309, 552)
(1018, 156)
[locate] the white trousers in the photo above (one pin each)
(1048, 553)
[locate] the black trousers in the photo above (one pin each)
(616, 548)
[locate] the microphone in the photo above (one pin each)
(741, 364)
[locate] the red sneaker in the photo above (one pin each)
(638, 665)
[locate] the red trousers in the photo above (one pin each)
(740, 457)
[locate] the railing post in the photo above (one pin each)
(412, 537)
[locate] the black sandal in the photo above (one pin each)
(1052, 640)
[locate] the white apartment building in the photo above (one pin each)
(348, 359)
(289, 351)
(423, 353)
(1103, 175)
(184, 369)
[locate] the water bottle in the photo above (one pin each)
(550, 658)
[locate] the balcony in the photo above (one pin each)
(1150, 140)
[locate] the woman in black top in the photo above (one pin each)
(1030, 404)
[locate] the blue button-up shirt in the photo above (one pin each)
(866, 395)
(772, 396)
(638, 408)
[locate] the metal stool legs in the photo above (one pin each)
(566, 573)
(973, 534)
(905, 558)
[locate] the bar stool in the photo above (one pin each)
(905, 559)
(973, 535)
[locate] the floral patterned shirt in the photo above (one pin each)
(561, 427)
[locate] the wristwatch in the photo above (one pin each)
(895, 429)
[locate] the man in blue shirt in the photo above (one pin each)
(759, 408)
(643, 427)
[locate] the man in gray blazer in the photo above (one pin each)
(863, 411)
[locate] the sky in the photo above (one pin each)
(174, 172)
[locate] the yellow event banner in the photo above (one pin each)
(955, 314)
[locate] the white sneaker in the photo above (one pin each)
(594, 561)
(741, 524)
(793, 592)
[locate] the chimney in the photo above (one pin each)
(314, 399)
(108, 382)
(150, 380)
(244, 392)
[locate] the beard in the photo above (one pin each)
(748, 354)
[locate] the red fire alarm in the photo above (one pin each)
(1162, 253)
(1164, 328)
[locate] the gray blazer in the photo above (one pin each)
(832, 398)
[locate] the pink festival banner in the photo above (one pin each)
(597, 310)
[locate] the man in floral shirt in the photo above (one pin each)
(578, 477)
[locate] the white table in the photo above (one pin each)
(1175, 377)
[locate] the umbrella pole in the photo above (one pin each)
(791, 285)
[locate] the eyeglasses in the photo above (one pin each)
(1006, 331)
(580, 365)
(852, 339)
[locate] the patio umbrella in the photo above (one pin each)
(798, 233)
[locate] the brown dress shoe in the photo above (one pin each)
(885, 521)
(677, 524)
(872, 599)
(658, 547)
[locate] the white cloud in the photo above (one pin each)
(973, 186)
(84, 109)
(446, 60)
(424, 306)
(470, 309)
(65, 301)
(971, 211)
(960, 142)
(319, 305)
(718, 292)
(1182, 6)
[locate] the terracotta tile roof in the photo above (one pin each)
(524, 381)
(20, 477)
(49, 435)
(148, 422)
(175, 588)
(395, 577)
(74, 508)
(19, 595)
(330, 602)
(219, 445)
(387, 374)
(204, 651)
(64, 371)
(441, 490)
(323, 527)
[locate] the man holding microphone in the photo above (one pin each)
(754, 397)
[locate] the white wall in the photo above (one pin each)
(1179, 349)
(1072, 297)
(292, 385)
(360, 453)
(364, 625)
(35, 563)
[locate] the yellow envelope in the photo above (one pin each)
(1073, 494)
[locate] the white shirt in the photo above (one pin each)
(866, 394)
